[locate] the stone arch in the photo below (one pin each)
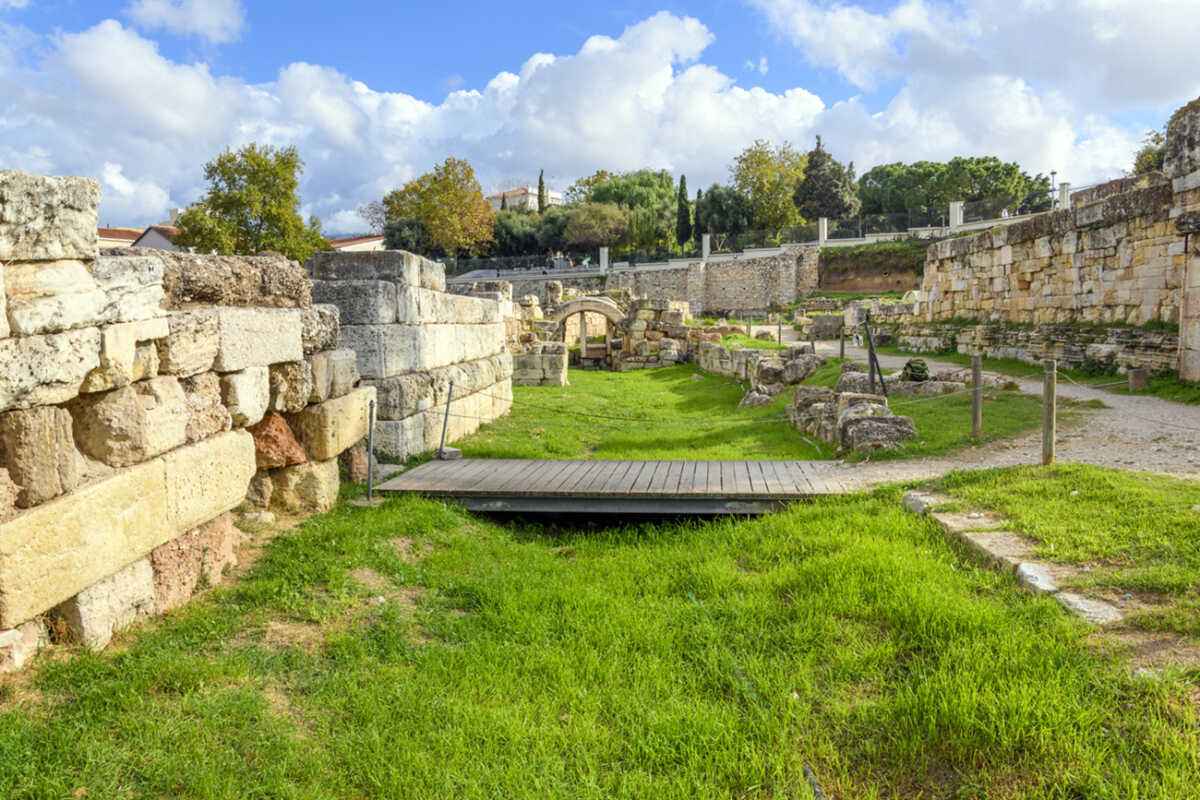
(599, 305)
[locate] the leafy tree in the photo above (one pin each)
(1152, 153)
(552, 229)
(541, 191)
(375, 215)
(410, 235)
(252, 205)
(593, 225)
(641, 189)
(449, 203)
(827, 189)
(929, 187)
(581, 190)
(683, 214)
(515, 234)
(767, 177)
(722, 209)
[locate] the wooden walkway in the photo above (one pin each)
(620, 487)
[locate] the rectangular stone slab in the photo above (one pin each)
(206, 479)
(330, 428)
(46, 219)
(53, 552)
(253, 337)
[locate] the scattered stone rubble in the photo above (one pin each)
(849, 421)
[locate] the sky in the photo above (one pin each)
(140, 93)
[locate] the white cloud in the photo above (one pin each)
(219, 21)
(761, 67)
(13, 4)
(105, 102)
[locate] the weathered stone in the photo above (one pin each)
(771, 389)
(356, 461)
(1096, 612)
(132, 287)
(403, 395)
(246, 394)
(37, 447)
(311, 487)
(328, 429)
(4, 331)
(111, 604)
(261, 488)
(98, 529)
(131, 424)
(253, 337)
(801, 368)
(207, 478)
(206, 414)
(126, 354)
(1139, 379)
(50, 297)
(769, 370)
(265, 280)
(1036, 578)
(191, 344)
(386, 265)
(291, 386)
(19, 645)
(275, 444)
(334, 373)
(195, 560)
(359, 302)
(320, 328)
(8, 495)
(877, 432)
(46, 219)
(754, 399)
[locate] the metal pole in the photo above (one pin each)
(1049, 396)
(976, 396)
(370, 448)
(873, 359)
(842, 343)
(446, 420)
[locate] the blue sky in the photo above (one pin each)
(140, 93)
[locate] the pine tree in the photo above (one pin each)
(683, 214)
(541, 191)
(828, 188)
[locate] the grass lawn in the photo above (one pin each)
(706, 659)
(1138, 533)
(738, 341)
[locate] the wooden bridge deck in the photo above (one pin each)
(620, 487)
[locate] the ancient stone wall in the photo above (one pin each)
(1183, 167)
(412, 339)
(543, 364)
(141, 395)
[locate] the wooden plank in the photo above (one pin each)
(560, 478)
(469, 473)
(645, 478)
(675, 476)
(786, 477)
(712, 480)
(691, 475)
(580, 479)
(658, 484)
(613, 479)
(516, 479)
(774, 486)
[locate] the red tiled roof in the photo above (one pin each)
(347, 241)
(129, 234)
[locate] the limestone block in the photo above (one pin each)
(111, 604)
(399, 439)
(384, 265)
(432, 275)
(53, 296)
(266, 280)
(124, 355)
(8, 495)
(291, 386)
(320, 328)
(132, 286)
(384, 350)
(131, 424)
(37, 447)
(191, 344)
(261, 489)
(97, 530)
(246, 394)
(275, 444)
(334, 373)
(330, 428)
(194, 560)
(253, 337)
(19, 644)
(306, 488)
(356, 461)
(359, 302)
(47, 219)
(207, 415)
(4, 331)
(207, 478)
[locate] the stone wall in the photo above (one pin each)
(412, 339)
(1183, 167)
(135, 397)
(542, 364)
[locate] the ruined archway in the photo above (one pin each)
(595, 354)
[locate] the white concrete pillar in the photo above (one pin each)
(583, 335)
(822, 230)
(1064, 196)
(956, 213)
(705, 246)
(604, 259)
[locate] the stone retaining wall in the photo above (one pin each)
(543, 364)
(141, 395)
(412, 338)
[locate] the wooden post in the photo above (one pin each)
(1049, 397)
(842, 343)
(976, 396)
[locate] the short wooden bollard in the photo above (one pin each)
(1049, 398)
(1139, 379)
(976, 396)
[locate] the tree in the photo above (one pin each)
(827, 189)
(1152, 153)
(375, 215)
(767, 177)
(410, 235)
(503, 201)
(929, 187)
(449, 203)
(722, 210)
(515, 234)
(593, 225)
(581, 190)
(683, 214)
(252, 205)
(643, 188)
(552, 229)
(541, 191)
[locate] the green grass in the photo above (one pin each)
(673, 661)
(738, 341)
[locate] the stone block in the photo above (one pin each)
(126, 354)
(356, 461)
(320, 328)
(8, 495)
(275, 444)
(207, 478)
(197, 559)
(132, 286)
(53, 296)
(47, 219)
(330, 428)
(110, 604)
(261, 489)
(191, 345)
(4, 330)
(207, 415)
(131, 424)
(384, 350)
(97, 530)
(38, 449)
(18, 645)
(291, 385)
(266, 280)
(334, 372)
(359, 302)
(310, 488)
(246, 394)
(255, 337)
(385, 265)
(1096, 612)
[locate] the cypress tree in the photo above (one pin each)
(683, 214)
(541, 191)
(504, 201)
